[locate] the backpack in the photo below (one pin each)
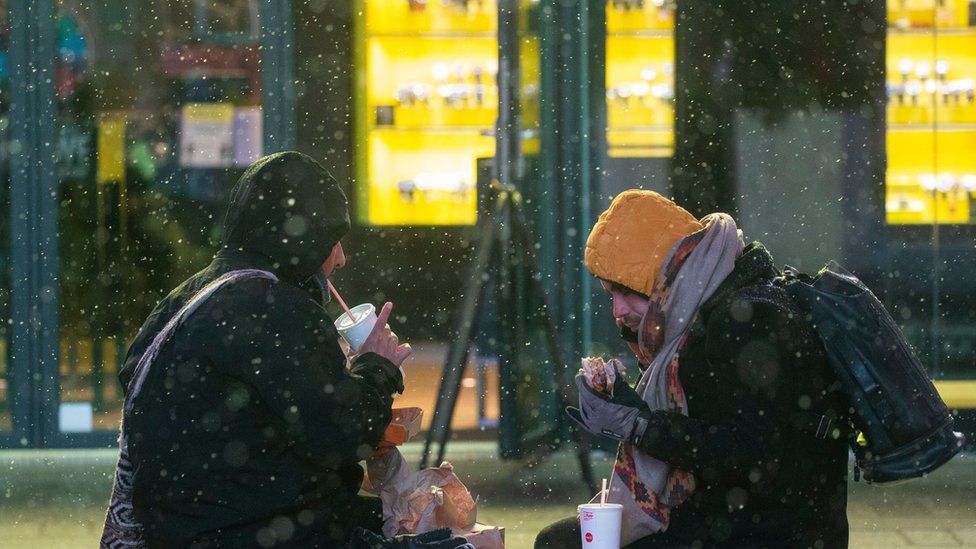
(906, 430)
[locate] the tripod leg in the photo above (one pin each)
(509, 340)
(527, 244)
(456, 378)
(457, 355)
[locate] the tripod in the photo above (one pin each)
(503, 227)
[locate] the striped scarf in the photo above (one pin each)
(647, 487)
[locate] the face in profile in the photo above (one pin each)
(335, 261)
(629, 307)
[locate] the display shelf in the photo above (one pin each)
(400, 17)
(634, 115)
(647, 15)
(929, 31)
(426, 128)
(441, 119)
(931, 127)
(640, 93)
(658, 33)
(931, 112)
(424, 178)
(652, 128)
(931, 176)
(437, 67)
(428, 76)
(911, 205)
(642, 142)
(928, 14)
(490, 35)
(936, 118)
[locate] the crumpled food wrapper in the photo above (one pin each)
(415, 502)
(601, 375)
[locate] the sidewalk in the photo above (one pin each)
(55, 498)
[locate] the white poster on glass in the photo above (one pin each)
(207, 135)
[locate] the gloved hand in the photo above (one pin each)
(435, 539)
(615, 415)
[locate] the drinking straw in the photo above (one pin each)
(603, 494)
(339, 299)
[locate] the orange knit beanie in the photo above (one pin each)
(631, 240)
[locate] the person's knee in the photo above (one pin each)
(545, 540)
(559, 535)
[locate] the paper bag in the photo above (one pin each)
(415, 502)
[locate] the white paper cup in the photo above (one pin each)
(356, 330)
(600, 525)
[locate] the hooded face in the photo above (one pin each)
(287, 208)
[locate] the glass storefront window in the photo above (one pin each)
(640, 94)
(427, 72)
(931, 180)
(144, 165)
(931, 69)
(640, 79)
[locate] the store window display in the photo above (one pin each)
(154, 127)
(428, 73)
(931, 67)
(640, 93)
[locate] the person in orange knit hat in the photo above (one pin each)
(720, 443)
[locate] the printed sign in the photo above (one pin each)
(207, 135)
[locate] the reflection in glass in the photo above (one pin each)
(931, 178)
(144, 166)
(428, 73)
(640, 94)
(931, 71)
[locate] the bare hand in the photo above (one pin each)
(384, 342)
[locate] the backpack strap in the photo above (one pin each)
(815, 421)
(121, 528)
(821, 425)
(149, 355)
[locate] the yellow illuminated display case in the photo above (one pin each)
(640, 78)
(931, 68)
(427, 103)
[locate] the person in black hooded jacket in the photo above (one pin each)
(249, 426)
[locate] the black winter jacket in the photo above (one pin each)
(249, 427)
(757, 383)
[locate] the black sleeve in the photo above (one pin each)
(746, 358)
(293, 360)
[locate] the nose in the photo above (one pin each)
(620, 309)
(340, 258)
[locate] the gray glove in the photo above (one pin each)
(614, 416)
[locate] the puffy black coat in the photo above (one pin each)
(249, 427)
(757, 383)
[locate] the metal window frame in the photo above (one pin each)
(33, 218)
(278, 75)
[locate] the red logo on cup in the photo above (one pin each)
(589, 537)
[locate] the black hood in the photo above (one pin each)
(288, 209)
